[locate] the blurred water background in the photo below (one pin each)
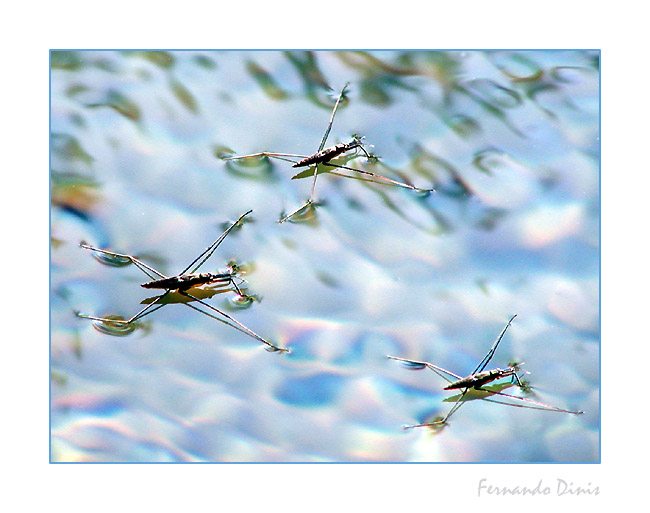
(510, 141)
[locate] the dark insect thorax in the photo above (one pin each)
(476, 380)
(187, 281)
(327, 154)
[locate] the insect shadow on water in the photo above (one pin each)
(476, 380)
(182, 283)
(324, 157)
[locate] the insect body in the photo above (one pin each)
(479, 379)
(184, 281)
(476, 380)
(324, 157)
(328, 154)
(187, 281)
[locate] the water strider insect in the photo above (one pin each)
(184, 281)
(324, 156)
(476, 380)
(328, 154)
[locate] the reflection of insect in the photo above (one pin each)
(323, 156)
(477, 379)
(181, 283)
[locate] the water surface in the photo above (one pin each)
(510, 141)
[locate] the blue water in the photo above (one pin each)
(510, 141)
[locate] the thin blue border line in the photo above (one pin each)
(600, 267)
(600, 261)
(49, 315)
(325, 50)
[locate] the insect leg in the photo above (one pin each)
(212, 247)
(454, 408)
(438, 370)
(146, 269)
(236, 287)
(516, 379)
(289, 216)
(268, 154)
(493, 349)
(379, 177)
(439, 423)
(441, 372)
(145, 311)
(536, 404)
(329, 126)
(243, 328)
(224, 321)
(324, 140)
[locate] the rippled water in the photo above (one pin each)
(510, 141)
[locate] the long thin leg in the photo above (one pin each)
(379, 177)
(438, 370)
(137, 316)
(267, 154)
(537, 405)
(437, 423)
(236, 287)
(441, 372)
(146, 269)
(212, 247)
(279, 156)
(493, 349)
(289, 216)
(244, 328)
(324, 140)
(224, 321)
